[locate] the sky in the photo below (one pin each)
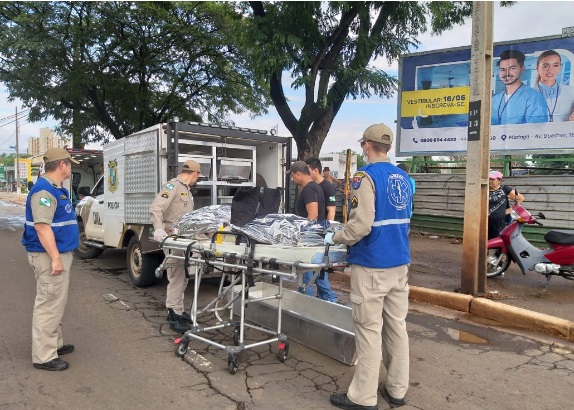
(525, 19)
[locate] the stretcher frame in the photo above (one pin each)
(240, 269)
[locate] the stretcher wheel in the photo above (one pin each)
(236, 333)
(181, 347)
(232, 363)
(283, 352)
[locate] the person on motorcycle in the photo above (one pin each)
(499, 197)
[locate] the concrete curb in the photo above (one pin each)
(499, 312)
(448, 300)
(481, 307)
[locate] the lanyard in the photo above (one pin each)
(551, 113)
(505, 104)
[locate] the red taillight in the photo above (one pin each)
(177, 341)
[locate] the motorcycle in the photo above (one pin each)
(511, 246)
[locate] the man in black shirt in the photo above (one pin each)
(311, 205)
(310, 201)
(329, 191)
(324, 290)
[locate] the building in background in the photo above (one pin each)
(47, 139)
(336, 162)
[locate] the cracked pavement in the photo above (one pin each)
(454, 363)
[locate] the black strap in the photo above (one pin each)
(273, 263)
(250, 261)
(325, 261)
(186, 259)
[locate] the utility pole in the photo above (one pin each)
(474, 252)
(17, 163)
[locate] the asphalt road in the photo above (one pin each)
(124, 354)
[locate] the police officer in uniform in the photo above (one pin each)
(172, 201)
(50, 234)
(377, 233)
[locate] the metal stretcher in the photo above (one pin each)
(240, 262)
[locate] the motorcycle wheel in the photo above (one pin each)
(495, 264)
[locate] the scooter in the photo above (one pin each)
(511, 246)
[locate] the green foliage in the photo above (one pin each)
(10, 159)
(327, 48)
(360, 161)
(552, 164)
(111, 68)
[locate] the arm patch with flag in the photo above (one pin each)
(46, 202)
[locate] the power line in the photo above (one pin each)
(13, 116)
(13, 121)
(9, 138)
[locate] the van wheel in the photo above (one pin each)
(84, 251)
(142, 266)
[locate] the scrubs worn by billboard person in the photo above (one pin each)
(379, 255)
(559, 97)
(518, 103)
(173, 200)
(50, 235)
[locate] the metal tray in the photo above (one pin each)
(322, 326)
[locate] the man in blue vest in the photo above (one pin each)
(379, 255)
(50, 235)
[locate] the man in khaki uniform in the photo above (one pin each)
(377, 233)
(50, 235)
(172, 201)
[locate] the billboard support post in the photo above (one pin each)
(474, 252)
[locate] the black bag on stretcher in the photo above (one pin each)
(254, 202)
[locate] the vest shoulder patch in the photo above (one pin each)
(357, 178)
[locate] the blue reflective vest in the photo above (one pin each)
(64, 223)
(387, 245)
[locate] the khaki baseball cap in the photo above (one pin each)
(58, 154)
(191, 166)
(378, 133)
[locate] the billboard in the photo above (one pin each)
(532, 99)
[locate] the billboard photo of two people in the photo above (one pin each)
(532, 98)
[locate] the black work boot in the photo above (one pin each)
(171, 315)
(53, 365)
(341, 401)
(66, 349)
(179, 326)
(393, 401)
(176, 322)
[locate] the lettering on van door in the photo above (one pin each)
(97, 220)
(113, 205)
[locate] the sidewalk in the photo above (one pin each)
(13, 197)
